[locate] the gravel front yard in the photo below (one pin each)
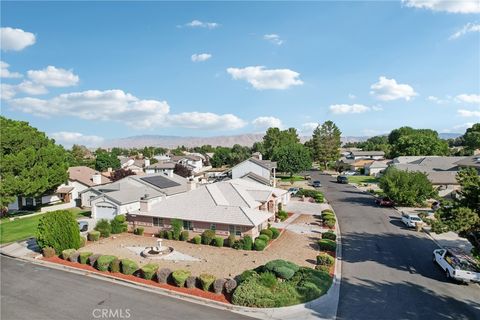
(221, 262)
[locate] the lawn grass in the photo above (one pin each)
(288, 178)
(20, 229)
(362, 179)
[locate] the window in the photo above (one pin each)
(213, 227)
(231, 229)
(187, 225)
(235, 230)
(158, 222)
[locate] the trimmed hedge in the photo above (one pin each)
(138, 231)
(247, 243)
(282, 268)
(264, 237)
(66, 253)
(118, 224)
(325, 259)
(197, 239)
(329, 235)
(208, 236)
(128, 266)
(218, 241)
(184, 235)
(177, 226)
(103, 226)
(149, 270)
(282, 215)
(169, 235)
(179, 277)
(259, 244)
(322, 268)
(83, 257)
(115, 265)
(327, 245)
(267, 232)
(230, 241)
(218, 285)
(83, 241)
(163, 275)
(103, 262)
(330, 223)
(48, 252)
(93, 235)
(59, 230)
(206, 281)
(275, 232)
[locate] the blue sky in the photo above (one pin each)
(88, 71)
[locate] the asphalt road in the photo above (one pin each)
(387, 270)
(34, 292)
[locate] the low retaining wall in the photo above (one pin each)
(60, 206)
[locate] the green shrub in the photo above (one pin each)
(103, 226)
(322, 268)
(74, 256)
(325, 259)
(275, 232)
(103, 262)
(267, 232)
(230, 240)
(128, 266)
(93, 235)
(263, 237)
(149, 270)
(83, 257)
(245, 275)
(59, 230)
(66, 253)
(197, 239)
(206, 281)
(259, 244)
(282, 215)
(139, 231)
(329, 235)
(268, 279)
(218, 241)
(179, 277)
(247, 243)
(208, 236)
(83, 241)
(282, 268)
(118, 224)
(115, 266)
(252, 293)
(48, 252)
(330, 223)
(177, 226)
(310, 284)
(184, 235)
(162, 234)
(238, 244)
(319, 198)
(327, 245)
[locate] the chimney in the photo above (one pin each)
(191, 185)
(257, 155)
(144, 205)
(97, 178)
(147, 162)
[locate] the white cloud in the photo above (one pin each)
(201, 57)
(53, 77)
(5, 73)
(348, 108)
(273, 38)
(263, 79)
(15, 39)
(308, 127)
(31, 88)
(452, 6)
(377, 108)
(67, 138)
(267, 122)
(388, 89)
(201, 24)
(469, 113)
(469, 27)
(352, 96)
(116, 105)
(7, 91)
(438, 100)
(469, 98)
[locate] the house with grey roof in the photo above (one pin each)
(131, 163)
(376, 168)
(256, 169)
(124, 196)
(470, 162)
(372, 155)
(238, 206)
(164, 166)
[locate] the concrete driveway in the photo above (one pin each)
(300, 207)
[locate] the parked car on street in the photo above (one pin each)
(293, 191)
(349, 173)
(384, 202)
(457, 264)
(411, 219)
(316, 184)
(342, 179)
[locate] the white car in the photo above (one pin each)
(411, 219)
(349, 173)
(457, 265)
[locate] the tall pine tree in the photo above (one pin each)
(325, 143)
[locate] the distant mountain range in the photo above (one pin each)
(224, 141)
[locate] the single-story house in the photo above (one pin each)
(165, 166)
(236, 206)
(79, 179)
(124, 196)
(470, 162)
(254, 168)
(136, 165)
(360, 164)
(376, 168)
(373, 155)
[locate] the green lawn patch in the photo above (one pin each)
(288, 178)
(362, 179)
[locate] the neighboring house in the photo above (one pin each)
(79, 179)
(256, 169)
(470, 162)
(165, 166)
(236, 206)
(376, 168)
(360, 164)
(191, 161)
(136, 165)
(124, 196)
(372, 155)
(441, 171)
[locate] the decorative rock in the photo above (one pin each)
(191, 282)
(218, 285)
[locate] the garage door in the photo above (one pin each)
(105, 211)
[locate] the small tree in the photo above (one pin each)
(121, 173)
(407, 188)
(59, 230)
(177, 225)
(182, 170)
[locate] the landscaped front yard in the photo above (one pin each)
(23, 228)
(362, 179)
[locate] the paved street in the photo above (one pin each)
(33, 292)
(387, 270)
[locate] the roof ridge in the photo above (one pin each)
(243, 195)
